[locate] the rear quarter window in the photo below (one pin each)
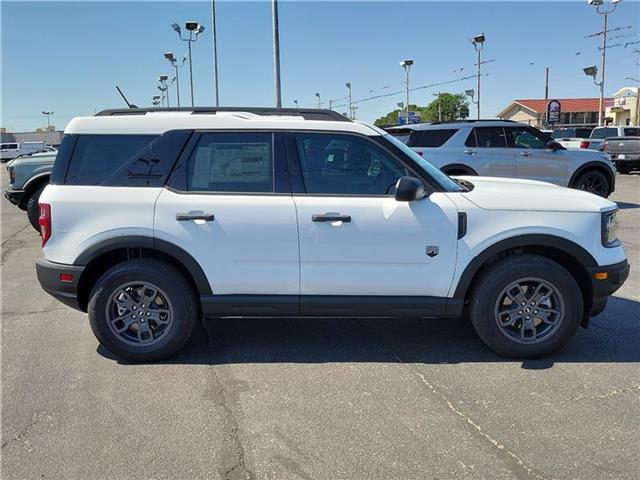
(430, 138)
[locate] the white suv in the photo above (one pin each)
(502, 148)
(154, 218)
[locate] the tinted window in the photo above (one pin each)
(232, 162)
(9, 146)
(521, 137)
(632, 132)
(346, 165)
(430, 138)
(487, 137)
(95, 157)
(604, 132)
(563, 133)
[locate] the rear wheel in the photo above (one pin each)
(142, 310)
(593, 181)
(526, 306)
(32, 208)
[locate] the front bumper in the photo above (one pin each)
(605, 281)
(49, 274)
(14, 196)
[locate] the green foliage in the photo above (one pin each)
(451, 105)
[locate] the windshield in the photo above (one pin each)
(447, 183)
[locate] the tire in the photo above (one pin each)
(32, 208)
(593, 181)
(491, 311)
(166, 323)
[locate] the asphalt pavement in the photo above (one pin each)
(314, 399)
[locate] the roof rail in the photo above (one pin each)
(306, 113)
(475, 121)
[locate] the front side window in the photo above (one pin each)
(526, 138)
(95, 157)
(232, 162)
(487, 137)
(346, 165)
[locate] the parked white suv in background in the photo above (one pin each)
(501, 148)
(153, 218)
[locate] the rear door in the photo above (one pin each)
(533, 160)
(486, 151)
(228, 204)
(357, 243)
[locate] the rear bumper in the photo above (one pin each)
(616, 275)
(49, 278)
(14, 196)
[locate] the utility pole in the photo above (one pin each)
(351, 113)
(546, 83)
(276, 53)
(215, 52)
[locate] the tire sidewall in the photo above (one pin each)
(159, 274)
(502, 274)
(32, 209)
(606, 181)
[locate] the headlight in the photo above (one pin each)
(610, 229)
(12, 174)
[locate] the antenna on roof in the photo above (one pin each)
(130, 105)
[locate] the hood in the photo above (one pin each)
(492, 193)
(35, 159)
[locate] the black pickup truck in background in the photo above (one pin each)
(624, 152)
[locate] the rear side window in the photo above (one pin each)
(232, 162)
(9, 146)
(604, 132)
(430, 138)
(96, 157)
(632, 132)
(487, 137)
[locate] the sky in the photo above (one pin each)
(67, 57)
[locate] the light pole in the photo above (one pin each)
(296, 103)
(155, 100)
(194, 29)
(276, 53)
(439, 106)
(351, 115)
(48, 116)
(478, 44)
(598, 4)
(162, 90)
(163, 81)
(319, 102)
(406, 64)
(174, 62)
(637, 119)
(592, 72)
(215, 51)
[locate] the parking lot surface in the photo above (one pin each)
(315, 399)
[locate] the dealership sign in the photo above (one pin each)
(554, 110)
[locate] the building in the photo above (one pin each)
(624, 110)
(575, 111)
(51, 138)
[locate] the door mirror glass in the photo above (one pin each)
(552, 145)
(409, 189)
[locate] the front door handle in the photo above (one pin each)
(525, 154)
(470, 152)
(184, 217)
(328, 217)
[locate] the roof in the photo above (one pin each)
(567, 104)
(158, 121)
(455, 124)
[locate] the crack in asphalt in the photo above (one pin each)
(610, 393)
(25, 431)
(35, 312)
(238, 469)
(501, 448)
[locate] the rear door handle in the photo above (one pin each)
(185, 217)
(330, 218)
(525, 154)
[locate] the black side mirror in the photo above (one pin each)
(553, 145)
(409, 189)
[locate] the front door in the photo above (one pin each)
(226, 207)
(356, 240)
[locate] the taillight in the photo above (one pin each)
(605, 145)
(584, 144)
(44, 220)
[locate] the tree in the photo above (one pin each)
(452, 105)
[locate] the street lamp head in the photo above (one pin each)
(595, 3)
(470, 93)
(400, 105)
(479, 38)
(156, 97)
(591, 71)
(348, 84)
(163, 78)
(615, 1)
(406, 63)
(176, 27)
(317, 94)
(200, 30)
(192, 25)
(169, 56)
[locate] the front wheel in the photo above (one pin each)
(593, 181)
(526, 306)
(32, 209)
(142, 310)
